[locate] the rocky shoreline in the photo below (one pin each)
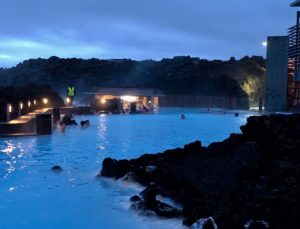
(250, 180)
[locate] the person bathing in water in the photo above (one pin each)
(62, 128)
(182, 116)
(85, 123)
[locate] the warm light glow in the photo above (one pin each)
(68, 100)
(128, 98)
(265, 44)
(29, 104)
(21, 105)
(103, 101)
(9, 108)
(34, 102)
(45, 100)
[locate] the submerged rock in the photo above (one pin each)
(56, 168)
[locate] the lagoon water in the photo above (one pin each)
(31, 196)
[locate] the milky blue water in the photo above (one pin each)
(31, 196)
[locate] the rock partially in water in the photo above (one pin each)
(167, 211)
(193, 147)
(114, 168)
(56, 169)
(205, 223)
(130, 177)
(251, 175)
(149, 197)
(149, 203)
(256, 224)
(135, 199)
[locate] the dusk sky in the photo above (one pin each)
(139, 29)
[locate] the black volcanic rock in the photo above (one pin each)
(207, 223)
(149, 197)
(149, 202)
(135, 199)
(249, 176)
(114, 168)
(56, 169)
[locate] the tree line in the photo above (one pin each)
(181, 75)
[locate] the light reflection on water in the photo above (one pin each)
(10, 154)
(9, 148)
(74, 198)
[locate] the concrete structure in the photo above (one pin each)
(24, 125)
(277, 71)
(38, 122)
(283, 70)
(294, 65)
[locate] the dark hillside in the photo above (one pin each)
(179, 75)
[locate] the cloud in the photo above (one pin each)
(24, 49)
(5, 57)
(138, 29)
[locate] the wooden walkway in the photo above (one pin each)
(28, 117)
(22, 126)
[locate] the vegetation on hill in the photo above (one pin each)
(12, 94)
(15, 95)
(179, 75)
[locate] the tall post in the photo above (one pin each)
(20, 109)
(277, 73)
(260, 103)
(152, 102)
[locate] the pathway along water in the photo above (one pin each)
(32, 196)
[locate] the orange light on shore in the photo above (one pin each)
(45, 100)
(128, 98)
(34, 102)
(21, 105)
(103, 101)
(29, 104)
(68, 100)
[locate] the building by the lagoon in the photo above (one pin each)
(141, 100)
(283, 69)
(124, 100)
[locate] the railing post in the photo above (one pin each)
(20, 109)
(8, 111)
(260, 105)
